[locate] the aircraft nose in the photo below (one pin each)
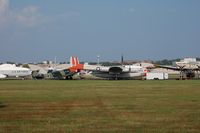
(30, 72)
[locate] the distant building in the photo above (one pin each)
(47, 62)
(188, 60)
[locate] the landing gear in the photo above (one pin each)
(197, 74)
(181, 72)
(68, 78)
(181, 75)
(116, 77)
(189, 74)
(198, 71)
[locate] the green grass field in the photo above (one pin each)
(84, 106)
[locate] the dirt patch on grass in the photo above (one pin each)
(2, 105)
(42, 110)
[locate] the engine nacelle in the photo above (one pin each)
(115, 70)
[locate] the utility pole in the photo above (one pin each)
(98, 58)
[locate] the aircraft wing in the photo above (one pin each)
(168, 67)
(118, 70)
(180, 68)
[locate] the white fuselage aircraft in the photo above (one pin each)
(116, 72)
(11, 70)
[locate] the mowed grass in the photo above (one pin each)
(84, 106)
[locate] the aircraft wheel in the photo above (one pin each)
(68, 78)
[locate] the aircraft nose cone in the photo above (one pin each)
(30, 72)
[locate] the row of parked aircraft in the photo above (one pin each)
(108, 72)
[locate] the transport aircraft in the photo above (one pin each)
(11, 70)
(116, 72)
(65, 71)
(188, 67)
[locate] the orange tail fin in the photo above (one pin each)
(74, 61)
(75, 65)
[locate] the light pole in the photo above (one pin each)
(98, 57)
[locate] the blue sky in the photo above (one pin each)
(37, 30)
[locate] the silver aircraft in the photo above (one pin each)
(116, 72)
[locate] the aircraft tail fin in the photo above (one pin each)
(75, 64)
(74, 61)
(122, 59)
